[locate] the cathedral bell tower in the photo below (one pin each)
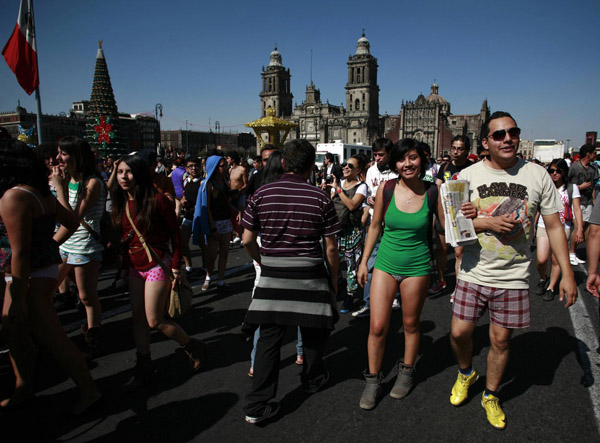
(362, 93)
(275, 91)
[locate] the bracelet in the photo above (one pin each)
(339, 191)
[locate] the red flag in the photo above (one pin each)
(20, 50)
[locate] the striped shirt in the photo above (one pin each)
(292, 217)
(82, 242)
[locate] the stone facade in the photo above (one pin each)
(53, 126)
(429, 119)
(195, 142)
(318, 122)
(276, 88)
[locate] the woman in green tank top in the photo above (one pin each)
(402, 262)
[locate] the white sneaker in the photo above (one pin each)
(364, 311)
(573, 259)
(396, 305)
(580, 261)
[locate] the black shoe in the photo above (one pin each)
(270, 411)
(65, 300)
(312, 387)
(548, 295)
(223, 289)
(540, 288)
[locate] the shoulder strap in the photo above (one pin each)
(388, 192)
(34, 196)
(149, 251)
(432, 196)
(570, 192)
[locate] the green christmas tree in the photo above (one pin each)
(103, 130)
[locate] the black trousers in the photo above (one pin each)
(267, 360)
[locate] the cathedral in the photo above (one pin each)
(426, 119)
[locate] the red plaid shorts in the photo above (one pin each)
(509, 308)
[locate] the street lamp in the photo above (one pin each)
(158, 111)
(187, 138)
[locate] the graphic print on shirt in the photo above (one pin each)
(501, 198)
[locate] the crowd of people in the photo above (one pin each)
(364, 238)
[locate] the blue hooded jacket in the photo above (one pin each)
(201, 224)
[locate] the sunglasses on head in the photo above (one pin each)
(349, 165)
(552, 171)
(501, 134)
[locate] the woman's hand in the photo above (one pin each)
(58, 177)
(17, 312)
(362, 275)
(579, 236)
(334, 183)
(177, 278)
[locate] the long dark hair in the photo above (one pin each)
(84, 162)
(145, 195)
(559, 163)
(20, 166)
(401, 148)
(273, 169)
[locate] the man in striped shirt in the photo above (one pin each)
(294, 287)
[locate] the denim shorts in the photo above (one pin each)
(81, 259)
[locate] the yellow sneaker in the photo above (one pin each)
(460, 390)
(494, 412)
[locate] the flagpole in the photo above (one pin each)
(38, 102)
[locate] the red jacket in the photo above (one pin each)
(164, 228)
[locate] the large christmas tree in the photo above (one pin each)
(103, 130)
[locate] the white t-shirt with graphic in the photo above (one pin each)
(502, 260)
(564, 196)
(375, 178)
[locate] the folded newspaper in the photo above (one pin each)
(459, 229)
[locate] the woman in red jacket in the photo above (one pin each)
(149, 284)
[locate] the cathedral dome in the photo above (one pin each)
(275, 58)
(362, 46)
(434, 97)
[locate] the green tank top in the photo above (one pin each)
(404, 249)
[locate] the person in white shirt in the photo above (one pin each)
(376, 175)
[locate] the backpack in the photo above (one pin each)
(347, 218)
(432, 198)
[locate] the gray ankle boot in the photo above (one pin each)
(372, 390)
(405, 381)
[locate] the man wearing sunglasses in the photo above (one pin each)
(461, 146)
(584, 175)
(494, 273)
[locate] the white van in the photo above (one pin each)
(341, 151)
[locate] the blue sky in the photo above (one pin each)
(539, 60)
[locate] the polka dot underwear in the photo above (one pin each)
(155, 274)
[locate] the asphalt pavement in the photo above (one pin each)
(549, 392)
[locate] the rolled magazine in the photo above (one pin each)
(459, 229)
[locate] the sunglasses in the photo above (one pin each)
(554, 171)
(501, 134)
(348, 165)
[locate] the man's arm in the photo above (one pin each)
(251, 245)
(558, 243)
(332, 256)
(593, 255)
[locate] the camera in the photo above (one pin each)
(328, 179)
